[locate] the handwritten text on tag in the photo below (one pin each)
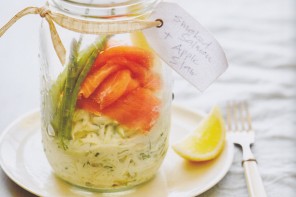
(186, 46)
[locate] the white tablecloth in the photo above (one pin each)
(259, 37)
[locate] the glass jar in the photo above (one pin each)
(106, 112)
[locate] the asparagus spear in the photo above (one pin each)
(56, 93)
(66, 104)
(57, 90)
(64, 92)
(86, 62)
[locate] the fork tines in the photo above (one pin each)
(238, 112)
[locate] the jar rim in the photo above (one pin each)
(105, 9)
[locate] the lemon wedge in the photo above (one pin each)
(207, 140)
(138, 39)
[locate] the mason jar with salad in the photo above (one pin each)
(106, 112)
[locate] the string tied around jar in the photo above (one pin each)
(80, 26)
(43, 11)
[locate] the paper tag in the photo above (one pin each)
(186, 46)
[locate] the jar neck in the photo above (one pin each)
(105, 9)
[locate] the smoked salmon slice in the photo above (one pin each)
(89, 105)
(138, 72)
(112, 88)
(138, 110)
(121, 86)
(95, 78)
(153, 82)
(133, 84)
(135, 54)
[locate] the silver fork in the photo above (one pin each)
(240, 132)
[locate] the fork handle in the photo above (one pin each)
(253, 178)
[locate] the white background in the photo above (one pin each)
(19, 73)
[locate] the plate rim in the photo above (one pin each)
(192, 192)
(2, 135)
(217, 179)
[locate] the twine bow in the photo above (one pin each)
(80, 26)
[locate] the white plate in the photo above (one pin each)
(23, 160)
